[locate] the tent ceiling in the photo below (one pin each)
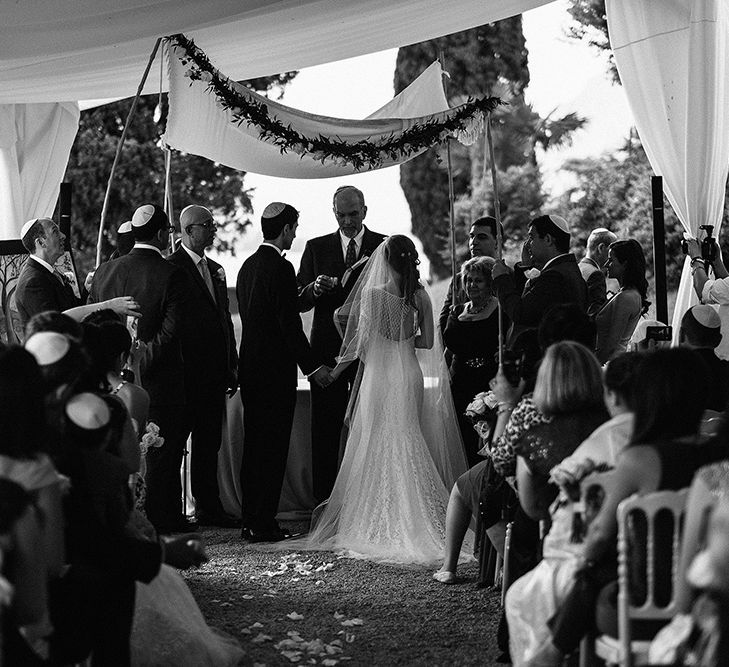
(84, 49)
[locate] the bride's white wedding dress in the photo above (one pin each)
(404, 450)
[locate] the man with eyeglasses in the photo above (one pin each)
(161, 289)
(211, 361)
(329, 268)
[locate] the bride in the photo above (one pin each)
(404, 450)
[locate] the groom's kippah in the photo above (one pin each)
(280, 212)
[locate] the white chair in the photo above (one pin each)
(624, 651)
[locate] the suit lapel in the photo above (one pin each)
(335, 250)
(196, 276)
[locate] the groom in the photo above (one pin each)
(329, 268)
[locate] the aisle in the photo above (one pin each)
(294, 609)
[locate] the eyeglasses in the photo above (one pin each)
(209, 225)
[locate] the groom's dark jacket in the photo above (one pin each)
(39, 290)
(324, 256)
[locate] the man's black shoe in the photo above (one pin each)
(218, 520)
(181, 525)
(271, 535)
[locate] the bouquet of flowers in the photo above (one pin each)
(480, 411)
(151, 438)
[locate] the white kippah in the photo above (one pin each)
(273, 209)
(125, 227)
(560, 222)
(47, 347)
(142, 215)
(26, 227)
(88, 411)
(706, 316)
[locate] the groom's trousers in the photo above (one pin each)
(267, 420)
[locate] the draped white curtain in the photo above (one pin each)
(197, 125)
(673, 60)
(35, 142)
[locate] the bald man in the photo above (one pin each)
(208, 348)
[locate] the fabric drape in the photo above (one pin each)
(35, 142)
(672, 59)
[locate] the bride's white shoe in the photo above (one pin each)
(445, 577)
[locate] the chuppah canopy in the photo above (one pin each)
(673, 62)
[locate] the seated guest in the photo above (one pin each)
(535, 597)
(472, 335)
(560, 281)
(618, 318)
(591, 268)
(669, 397)
(52, 320)
(701, 331)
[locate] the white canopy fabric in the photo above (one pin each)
(35, 140)
(673, 62)
(89, 49)
(196, 124)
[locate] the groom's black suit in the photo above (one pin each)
(324, 256)
(208, 347)
(273, 343)
(39, 290)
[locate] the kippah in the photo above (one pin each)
(273, 209)
(47, 347)
(125, 227)
(147, 213)
(26, 227)
(560, 222)
(88, 411)
(706, 316)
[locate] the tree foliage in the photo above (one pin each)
(140, 174)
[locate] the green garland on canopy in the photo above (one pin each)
(363, 154)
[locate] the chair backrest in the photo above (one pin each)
(653, 508)
(593, 490)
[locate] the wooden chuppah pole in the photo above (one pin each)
(120, 145)
(451, 196)
(497, 214)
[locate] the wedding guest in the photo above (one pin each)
(481, 243)
(617, 319)
(52, 320)
(273, 343)
(124, 240)
(559, 281)
(701, 332)
(533, 599)
(472, 335)
(669, 397)
(211, 362)
(161, 290)
(591, 267)
(329, 268)
(43, 287)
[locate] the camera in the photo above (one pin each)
(512, 365)
(659, 333)
(708, 245)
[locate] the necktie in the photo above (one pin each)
(205, 272)
(351, 257)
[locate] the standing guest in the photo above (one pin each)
(162, 290)
(42, 287)
(124, 240)
(617, 319)
(701, 331)
(272, 344)
(591, 267)
(560, 281)
(323, 287)
(211, 362)
(472, 334)
(481, 243)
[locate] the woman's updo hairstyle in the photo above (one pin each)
(402, 256)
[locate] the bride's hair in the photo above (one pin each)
(402, 256)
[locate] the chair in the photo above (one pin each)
(624, 651)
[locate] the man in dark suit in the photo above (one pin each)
(211, 362)
(559, 280)
(41, 287)
(324, 285)
(591, 267)
(162, 289)
(273, 343)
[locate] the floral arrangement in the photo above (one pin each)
(221, 274)
(463, 122)
(480, 411)
(151, 438)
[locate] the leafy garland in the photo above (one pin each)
(462, 121)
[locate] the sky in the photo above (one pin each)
(566, 75)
